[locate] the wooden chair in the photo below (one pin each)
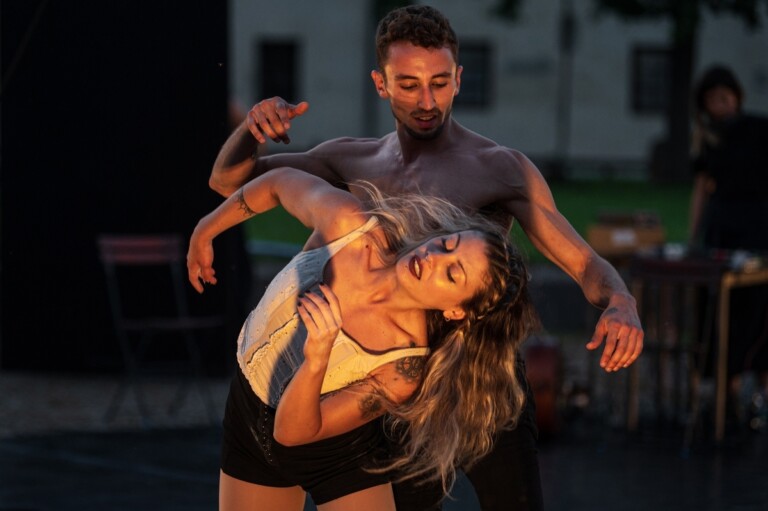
(141, 271)
(678, 337)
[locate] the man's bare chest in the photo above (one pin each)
(464, 182)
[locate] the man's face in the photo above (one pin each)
(420, 84)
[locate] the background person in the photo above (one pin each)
(729, 210)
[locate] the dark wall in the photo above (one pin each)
(112, 114)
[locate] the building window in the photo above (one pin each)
(277, 73)
(651, 79)
(476, 79)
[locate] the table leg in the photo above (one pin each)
(722, 357)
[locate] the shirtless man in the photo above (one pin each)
(430, 152)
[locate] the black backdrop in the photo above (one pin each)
(112, 114)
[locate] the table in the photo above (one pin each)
(729, 280)
(719, 279)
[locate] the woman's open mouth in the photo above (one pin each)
(414, 266)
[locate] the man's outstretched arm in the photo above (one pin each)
(619, 324)
(238, 161)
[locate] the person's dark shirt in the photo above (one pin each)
(739, 162)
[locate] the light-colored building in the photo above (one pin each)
(599, 107)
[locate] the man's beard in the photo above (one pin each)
(420, 135)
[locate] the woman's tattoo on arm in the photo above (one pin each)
(370, 406)
(247, 211)
(411, 368)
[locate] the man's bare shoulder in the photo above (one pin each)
(504, 175)
(495, 155)
(505, 166)
(348, 146)
(352, 159)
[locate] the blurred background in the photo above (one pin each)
(113, 112)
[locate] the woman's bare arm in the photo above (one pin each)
(330, 212)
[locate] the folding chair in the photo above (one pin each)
(148, 265)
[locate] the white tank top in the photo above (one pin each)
(270, 347)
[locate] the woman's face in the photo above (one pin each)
(721, 103)
(444, 271)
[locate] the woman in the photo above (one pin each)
(407, 278)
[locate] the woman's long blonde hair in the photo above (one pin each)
(469, 391)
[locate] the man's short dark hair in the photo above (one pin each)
(420, 25)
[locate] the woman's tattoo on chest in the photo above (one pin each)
(411, 368)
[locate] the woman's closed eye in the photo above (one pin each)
(450, 243)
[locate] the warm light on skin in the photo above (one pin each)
(721, 103)
(453, 268)
(420, 84)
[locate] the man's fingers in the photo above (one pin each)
(297, 110)
(266, 124)
(270, 126)
(610, 346)
(597, 337)
(636, 348)
(596, 341)
(629, 350)
(270, 118)
(620, 329)
(621, 334)
(253, 126)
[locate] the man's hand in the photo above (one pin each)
(271, 118)
(619, 326)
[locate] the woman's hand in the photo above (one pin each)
(200, 262)
(322, 317)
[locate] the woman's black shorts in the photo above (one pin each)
(327, 470)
